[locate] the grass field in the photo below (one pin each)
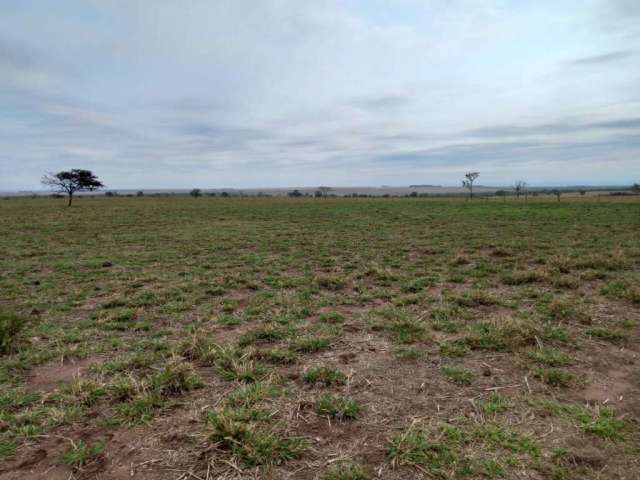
(332, 339)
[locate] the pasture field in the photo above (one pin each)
(329, 339)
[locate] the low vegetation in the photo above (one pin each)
(331, 339)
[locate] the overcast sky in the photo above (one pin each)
(269, 93)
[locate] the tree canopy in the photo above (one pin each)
(72, 181)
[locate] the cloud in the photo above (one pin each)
(555, 129)
(381, 102)
(277, 93)
(603, 59)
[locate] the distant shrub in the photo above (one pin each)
(10, 328)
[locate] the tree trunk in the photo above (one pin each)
(70, 198)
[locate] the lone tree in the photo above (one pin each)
(635, 188)
(468, 183)
(195, 193)
(72, 181)
(557, 193)
(324, 191)
(520, 187)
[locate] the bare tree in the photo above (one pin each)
(520, 187)
(468, 183)
(72, 181)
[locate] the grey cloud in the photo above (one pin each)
(500, 131)
(602, 59)
(458, 154)
(381, 102)
(508, 154)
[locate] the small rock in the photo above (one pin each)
(347, 357)
(107, 264)
(36, 282)
(486, 371)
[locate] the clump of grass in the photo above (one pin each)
(453, 349)
(345, 471)
(253, 446)
(175, 378)
(330, 282)
(491, 468)
(458, 375)
(521, 277)
(264, 334)
(404, 327)
(604, 424)
(141, 409)
(565, 310)
(475, 298)
(195, 347)
(550, 357)
(606, 334)
(276, 356)
(85, 392)
(82, 454)
(311, 344)
(325, 375)
(337, 407)
(10, 327)
(409, 353)
(331, 317)
(496, 403)
(502, 334)
(8, 449)
(252, 394)
(601, 422)
(497, 436)
(235, 364)
(414, 447)
(446, 319)
(556, 377)
(622, 289)
(417, 285)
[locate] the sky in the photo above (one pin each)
(278, 93)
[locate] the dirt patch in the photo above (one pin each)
(48, 377)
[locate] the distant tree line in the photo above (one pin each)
(68, 183)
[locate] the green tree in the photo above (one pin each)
(72, 181)
(468, 183)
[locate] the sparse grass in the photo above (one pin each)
(345, 471)
(556, 377)
(337, 407)
(496, 404)
(82, 454)
(311, 344)
(414, 447)
(252, 445)
(458, 375)
(502, 334)
(10, 327)
(250, 305)
(325, 375)
(409, 353)
(402, 326)
(550, 357)
(601, 422)
(607, 334)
